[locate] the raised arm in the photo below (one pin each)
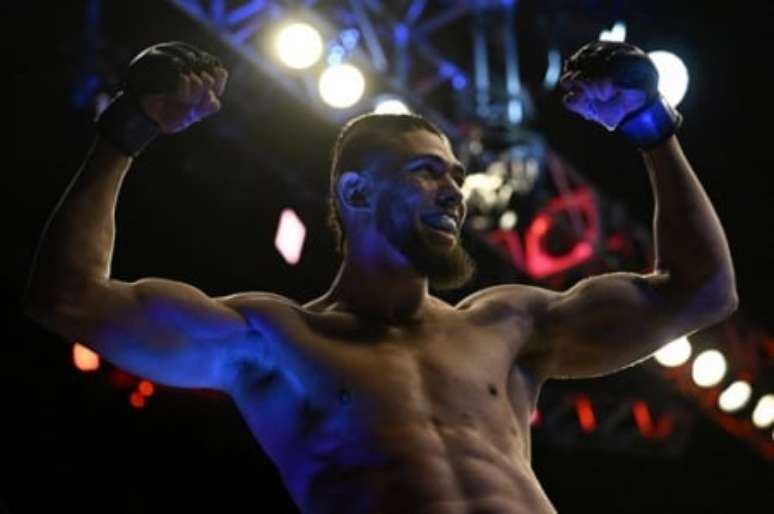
(610, 321)
(160, 329)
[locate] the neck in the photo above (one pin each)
(378, 287)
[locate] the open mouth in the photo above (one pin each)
(442, 222)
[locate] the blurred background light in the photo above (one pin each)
(763, 415)
(675, 353)
(84, 358)
(299, 45)
(341, 85)
(390, 105)
(709, 368)
(617, 33)
(289, 240)
(735, 396)
(673, 76)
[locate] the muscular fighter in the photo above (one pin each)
(378, 397)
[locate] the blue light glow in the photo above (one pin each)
(401, 34)
(349, 38)
(336, 55)
(459, 82)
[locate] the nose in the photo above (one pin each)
(449, 194)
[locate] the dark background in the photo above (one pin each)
(202, 207)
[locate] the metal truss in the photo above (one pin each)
(395, 44)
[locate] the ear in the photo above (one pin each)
(351, 190)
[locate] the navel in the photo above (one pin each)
(492, 390)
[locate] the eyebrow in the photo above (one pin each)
(454, 166)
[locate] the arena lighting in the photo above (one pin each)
(145, 388)
(289, 240)
(735, 396)
(585, 412)
(672, 76)
(137, 400)
(298, 45)
(85, 359)
(709, 368)
(675, 353)
(390, 105)
(508, 220)
(341, 85)
(763, 415)
(617, 33)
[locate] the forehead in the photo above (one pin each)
(423, 142)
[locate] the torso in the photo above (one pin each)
(431, 417)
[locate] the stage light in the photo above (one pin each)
(85, 359)
(675, 353)
(709, 368)
(735, 396)
(145, 388)
(763, 415)
(390, 105)
(137, 400)
(341, 86)
(672, 76)
(299, 45)
(508, 220)
(617, 33)
(289, 240)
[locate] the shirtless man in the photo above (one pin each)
(379, 398)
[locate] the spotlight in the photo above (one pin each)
(299, 45)
(341, 86)
(390, 105)
(289, 240)
(735, 396)
(709, 368)
(85, 359)
(617, 33)
(508, 220)
(672, 76)
(763, 415)
(675, 353)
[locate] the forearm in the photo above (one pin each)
(77, 244)
(689, 240)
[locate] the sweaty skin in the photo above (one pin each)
(377, 397)
(402, 403)
(428, 416)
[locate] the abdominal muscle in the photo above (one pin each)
(422, 470)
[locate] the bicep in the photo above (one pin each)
(163, 330)
(611, 321)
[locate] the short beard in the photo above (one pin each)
(445, 268)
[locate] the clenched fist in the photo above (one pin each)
(606, 81)
(177, 84)
(169, 87)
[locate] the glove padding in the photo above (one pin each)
(628, 68)
(155, 70)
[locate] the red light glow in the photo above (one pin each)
(84, 358)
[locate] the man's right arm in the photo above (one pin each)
(160, 329)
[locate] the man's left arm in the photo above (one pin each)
(610, 321)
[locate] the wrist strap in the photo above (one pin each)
(651, 125)
(124, 124)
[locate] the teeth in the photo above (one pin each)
(442, 222)
(449, 223)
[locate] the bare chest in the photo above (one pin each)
(338, 388)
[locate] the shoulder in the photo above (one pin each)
(260, 307)
(523, 299)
